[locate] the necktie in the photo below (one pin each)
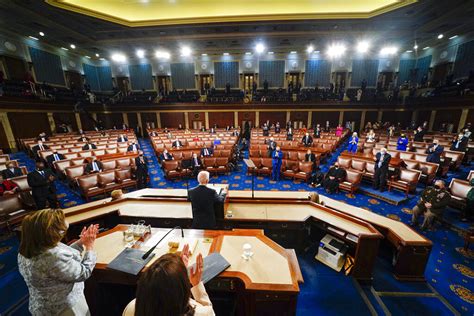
(94, 166)
(380, 161)
(206, 153)
(41, 147)
(56, 158)
(41, 173)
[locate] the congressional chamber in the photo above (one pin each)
(236, 158)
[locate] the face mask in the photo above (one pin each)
(41, 168)
(437, 187)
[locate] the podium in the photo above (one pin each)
(251, 165)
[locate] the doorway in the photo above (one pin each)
(205, 81)
(163, 84)
(248, 82)
(440, 72)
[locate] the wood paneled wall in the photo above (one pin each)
(26, 125)
(172, 119)
(196, 116)
(222, 119)
(3, 139)
(370, 116)
(273, 117)
(299, 116)
(353, 116)
(65, 118)
(109, 120)
(320, 117)
(246, 116)
(87, 122)
(447, 116)
(148, 117)
(132, 119)
(404, 117)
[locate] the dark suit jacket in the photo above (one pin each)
(175, 143)
(385, 161)
(434, 156)
(130, 147)
(462, 145)
(36, 148)
(7, 174)
(89, 167)
(40, 185)
(317, 132)
(210, 151)
(307, 141)
(202, 201)
(83, 139)
(86, 147)
(50, 158)
(193, 163)
(163, 158)
(125, 139)
(141, 167)
(419, 136)
(308, 156)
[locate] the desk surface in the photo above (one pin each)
(271, 268)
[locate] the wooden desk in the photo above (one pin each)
(129, 154)
(267, 283)
(394, 162)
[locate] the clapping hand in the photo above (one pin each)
(196, 272)
(88, 236)
(185, 254)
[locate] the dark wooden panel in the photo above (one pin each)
(246, 116)
(404, 117)
(196, 116)
(353, 116)
(273, 117)
(448, 117)
(370, 116)
(87, 122)
(470, 117)
(423, 116)
(132, 120)
(110, 120)
(222, 119)
(65, 118)
(4, 140)
(149, 117)
(299, 116)
(172, 119)
(16, 68)
(25, 125)
(320, 117)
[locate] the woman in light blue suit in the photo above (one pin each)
(353, 141)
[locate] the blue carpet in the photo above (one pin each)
(450, 270)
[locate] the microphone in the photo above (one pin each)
(148, 253)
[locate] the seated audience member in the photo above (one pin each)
(11, 171)
(339, 130)
(382, 162)
(333, 177)
(177, 143)
(432, 203)
(402, 142)
(203, 129)
(368, 126)
(317, 131)
(235, 132)
(277, 157)
(169, 135)
(122, 139)
(277, 128)
(310, 157)
(217, 141)
(370, 137)
(289, 133)
(434, 152)
(43, 189)
(153, 134)
(353, 141)
(207, 152)
(307, 140)
(166, 131)
(391, 131)
(42, 137)
(166, 156)
(196, 163)
(94, 166)
(83, 139)
(419, 133)
(133, 147)
(55, 272)
(459, 143)
(116, 195)
(7, 187)
(166, 288)
(40, 146)
(124, 126)
(62, 128)
(469, 209)
(89, 146)
(55, 156)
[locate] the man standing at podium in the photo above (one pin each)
(203, 200)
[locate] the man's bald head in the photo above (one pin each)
(203, 177)
(439, 184)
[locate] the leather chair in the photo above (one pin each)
(110, 151)
(209, 164)
(178, 155)
(86, 153)
(98, 152)
(304, 170)
(406, 181)
(170, 169)
(394, 153)
(107, 181)
(406, 155)
(459, 189)
(266, 168)
(293, 155)
(222, 165)
(352, 181)
(122, 149)
(109, 165)
(71, 155)
(12, 210)
(290, 168)
(254, 153)
(61, 166)
(258, 164)
(301, 155)
(428, 171)
(369, 172)
(123, 177)
(470, 175)
(73, 172)
(358, 165)
(187, 154)
(344, 162)
(22, 183)
(78, 161)
(456, 158)
(123, 163)
(225, 153)
(89, 186)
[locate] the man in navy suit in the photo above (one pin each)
(122, 138)
(382, 162)
(434, 152)
(142, 170)
(133, 147)
(11, 171)
(166, 156)
(41, 181)
(203, 200)
(207, 152)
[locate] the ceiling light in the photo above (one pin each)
(425, 48)
(41, 33)
(316, 52)
(162, 54)
(204, 54)
(310, 49)
(72, 46)
(140, 53)
(97, 55)
(389, 50)
(226, 54)
(259, 48)
(453, 37)
(120, 58)
(440, 36)
(64, 48)
(293, 52)
(248, 53)
(185, 51)
(409, 51)
(415, 47)
(336, 50)
(270, 53)
(363, 47)
(33, 38)
(101, 58)
(88, 57)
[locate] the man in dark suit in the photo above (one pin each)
(382, 162)
(310, 157)
(94, 166)
(177, 143)
(83, 139)
(307, 140)
(11, 171)
(419, 134)
(55, 156)
(153, 134)
(317, 131)
(166, 156)
(265, 129)
(459, 143)
(40, 146)
(333, 177)
(42, 137)
(434, 152)
(122, 139)
(289, 134)
(142, 170)
(203, 200)
(89, 146)
(196, 164)
(207, 152)
(277, 128)
(133, 147)
(41, 181)
(272, 145)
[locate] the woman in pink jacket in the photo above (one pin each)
(339, 130)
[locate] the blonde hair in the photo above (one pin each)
(314, 197)
(116, 194)
(41, 231)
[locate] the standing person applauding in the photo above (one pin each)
(54, 272)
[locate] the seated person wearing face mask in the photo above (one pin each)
(333, 177)
(11, 171)
(459, 143)
(7, 187)
(432, 203)
(166, 156)
(94, 166)
(434, 152)
(89, 146)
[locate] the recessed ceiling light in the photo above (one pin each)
(248, 53)
(409, 51)
(88, 57)
(440, 36)
(140, 53)
(101, 58)
(41, 33)
(425, 48)
(33, 38)
(259, 48)
(316, 52)
(226, 54)
(363, 47)
(415, 47)
(97, 55)
(293, 52)
(336, 50)
(162, 54)
(64, 48)
(389, 50)
(72, 46)
(310, 49)
(186, 51)
(270, 53)
(453, 37)
(204, 54)
(119, 57)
